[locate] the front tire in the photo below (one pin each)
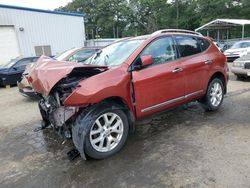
(214, 96)
(106, 133)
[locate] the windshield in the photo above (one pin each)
(63, 55)
(10, 63)
(114, 54)
(241, 45)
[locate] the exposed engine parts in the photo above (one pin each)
(53, 111)
(56, 115)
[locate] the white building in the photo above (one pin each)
(33, 32)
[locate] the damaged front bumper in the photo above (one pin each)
(57, 116)
(61, 118)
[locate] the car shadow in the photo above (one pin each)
(243, 79)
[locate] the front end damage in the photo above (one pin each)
(55, 83)
(52, 108)
(56, 115)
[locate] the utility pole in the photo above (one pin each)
(113, 30)
(177, 13)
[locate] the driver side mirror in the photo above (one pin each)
(143, 61)
(146, 60)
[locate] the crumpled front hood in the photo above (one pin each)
(44, 74)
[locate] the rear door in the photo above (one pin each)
(195, 62)
(160, 85)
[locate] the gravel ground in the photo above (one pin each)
(183, 147)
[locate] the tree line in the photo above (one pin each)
(121, 18)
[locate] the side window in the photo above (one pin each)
(21, 64)
(34, 59)
(187, 45)
(204, 44)
(162, 50)
(245, 45)
(82, 55)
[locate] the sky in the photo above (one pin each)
(40, 4)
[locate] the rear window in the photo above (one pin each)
(188, 45)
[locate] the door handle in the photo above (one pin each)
(208, 62)
(177, 70)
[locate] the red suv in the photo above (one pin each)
(97, 103)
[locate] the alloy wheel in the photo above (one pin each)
(106, 132)
(216, 94)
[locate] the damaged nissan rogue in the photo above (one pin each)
(96, 103)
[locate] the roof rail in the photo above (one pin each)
(175, 31)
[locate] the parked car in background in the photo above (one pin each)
(11, 71)
(97, 103)
(227, 46)
(237, 50)
(75, 54)
(241, 67)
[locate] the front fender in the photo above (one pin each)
(112, 83)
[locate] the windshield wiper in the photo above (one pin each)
(95, 56)
(98, 53)
(106, 59)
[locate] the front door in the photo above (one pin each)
(160, 85)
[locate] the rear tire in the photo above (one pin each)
(214, 96)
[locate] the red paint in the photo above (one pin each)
(47, 72)
(147, 60)
(152, 85)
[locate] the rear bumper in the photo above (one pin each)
(240, 71)
(8, 79)
(29, 93)
(4, 80)
(26, 90)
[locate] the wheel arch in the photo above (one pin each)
(122, 104)
(79, 130)
(220, 76)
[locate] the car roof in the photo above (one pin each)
(75, 49)
(142, 37)
(243, 41)
(21, 58)
(167, 32)
(91, 47)
(162, 33)
(176, 31)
